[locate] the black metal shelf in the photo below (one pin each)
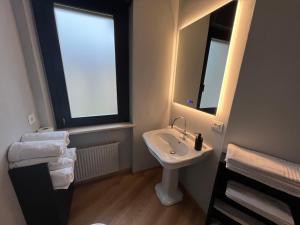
(40, 203)
(224, 175)
(245, 210)
(224, 219)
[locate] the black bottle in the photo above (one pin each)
(198, 142)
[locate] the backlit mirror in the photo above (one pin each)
(201, 59)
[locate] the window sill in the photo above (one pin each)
(99, 128)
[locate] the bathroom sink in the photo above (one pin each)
(168, 147)
(173, 151)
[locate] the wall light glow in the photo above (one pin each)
(174, 58)
(238, 41)
(242, 24)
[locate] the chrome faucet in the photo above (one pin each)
(184, 131)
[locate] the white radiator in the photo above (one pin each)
(96, 161)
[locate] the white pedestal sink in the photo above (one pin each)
(168, 147)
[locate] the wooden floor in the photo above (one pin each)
(130, 200)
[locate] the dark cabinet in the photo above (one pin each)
(40, 203)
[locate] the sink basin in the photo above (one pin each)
(167, 146)
(172, 152)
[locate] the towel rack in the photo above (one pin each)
(224, 175)
(40, 203)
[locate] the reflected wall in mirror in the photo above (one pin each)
(201, 59)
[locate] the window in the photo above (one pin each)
(84, 45)
(88, 60)
(215, 68)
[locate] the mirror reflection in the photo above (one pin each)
(201, 59)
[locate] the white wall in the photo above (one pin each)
(16, 103)
(152, 46)
(33, 60)
(265, 112)
(199, 179)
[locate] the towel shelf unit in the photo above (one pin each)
(40, 203)
(224, 175)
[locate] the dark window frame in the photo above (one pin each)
(43, 11)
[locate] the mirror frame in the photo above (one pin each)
(220, 34)
(215, 31)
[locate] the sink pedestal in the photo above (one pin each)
(173, 153)
(167, 190)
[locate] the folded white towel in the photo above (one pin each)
(235, 214)
(264, 205)
(31, 162)
(37, 149)
(71, 154)
(278, 184)
(61, 179)
(277, 168)
(45, 136)
(54, 163)
(61, 164)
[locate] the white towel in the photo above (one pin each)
(54, 163)
(235, 214)
(272, 166)
(274, 172)
(61, 179)
(45, 136)
(37, 149)
(265, 179)
(71, 154)
(61, 164)
(262, 204)
(31, 162)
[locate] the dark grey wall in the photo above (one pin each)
(266, 109)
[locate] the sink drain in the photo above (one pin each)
(172, 152)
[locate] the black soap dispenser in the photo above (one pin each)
(198, 142)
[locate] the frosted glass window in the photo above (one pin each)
(87, 45)
(214, 74)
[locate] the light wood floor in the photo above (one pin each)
(130, 200)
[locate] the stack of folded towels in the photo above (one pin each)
(277, 173)
(260, 203)
(47, 147)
